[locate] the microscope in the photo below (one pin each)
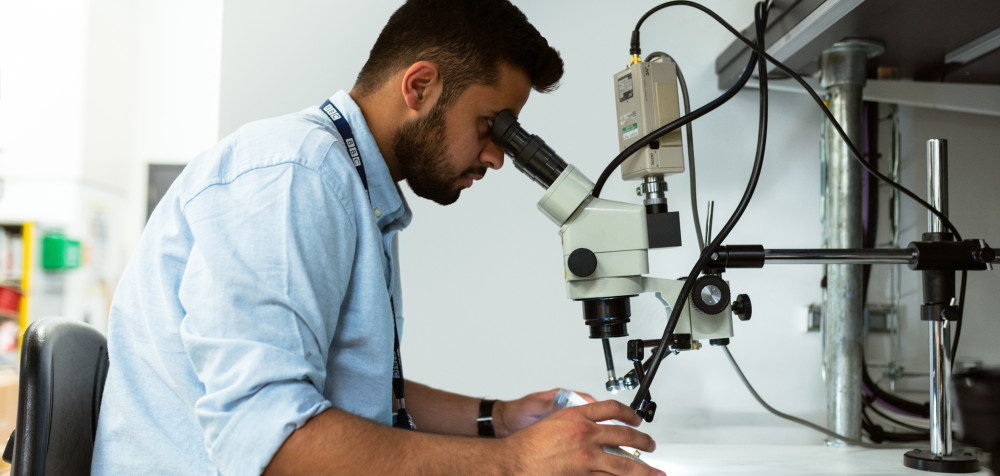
(606, 243)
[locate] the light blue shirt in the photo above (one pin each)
(257, 297)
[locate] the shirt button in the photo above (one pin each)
(378, 212)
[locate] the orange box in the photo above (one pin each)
(8, 406)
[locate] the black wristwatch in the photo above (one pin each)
(485, 420)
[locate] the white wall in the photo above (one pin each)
(485, 306)
(296, 53)
(90, 93)
(39, 83)
(177, 91)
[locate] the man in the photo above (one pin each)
(256, 325)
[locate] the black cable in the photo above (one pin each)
(870, 190)
(760, 14)
(869, 147)
(869, 238)
(921, 409)
(879, 435)
(819, 101)
(868, 427)
(961, 313)
(871, 406)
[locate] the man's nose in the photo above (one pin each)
(492, 156)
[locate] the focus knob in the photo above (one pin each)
(742, 307)
(710, 294)
(582, 262)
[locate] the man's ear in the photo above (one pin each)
(421, 86)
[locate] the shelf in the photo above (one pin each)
(981, 99)
(923, 41)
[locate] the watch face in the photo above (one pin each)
(409, 425)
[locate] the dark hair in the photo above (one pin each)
(467, 40)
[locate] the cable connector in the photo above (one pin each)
(634, 50)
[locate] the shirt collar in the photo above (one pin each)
(388, 203)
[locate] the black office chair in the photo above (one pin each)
(63, 366)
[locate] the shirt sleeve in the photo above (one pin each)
(272, 256)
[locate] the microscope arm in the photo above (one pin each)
(969, 255)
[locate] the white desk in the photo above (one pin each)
(780, 460)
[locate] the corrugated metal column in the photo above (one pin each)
(843, 76)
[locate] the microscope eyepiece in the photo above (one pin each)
(505, 126)
(529, 152)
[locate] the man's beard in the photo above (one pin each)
(420, 148)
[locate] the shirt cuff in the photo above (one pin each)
(262, 424)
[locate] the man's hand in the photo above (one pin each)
(570, 441)
(514, 415)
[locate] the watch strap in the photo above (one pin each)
(485, 419)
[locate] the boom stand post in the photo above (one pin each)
(939, 309)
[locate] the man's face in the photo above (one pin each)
(448, 149)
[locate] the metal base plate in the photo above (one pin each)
(927, 461)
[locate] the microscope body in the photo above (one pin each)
(606, 258)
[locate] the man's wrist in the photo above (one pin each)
(499, 424)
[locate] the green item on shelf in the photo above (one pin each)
(59, 253)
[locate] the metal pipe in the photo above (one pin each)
(609, 361)
(940, 338)
(843, 76)
(829, 256)
(937, 182)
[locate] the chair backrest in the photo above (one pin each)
(64, 363)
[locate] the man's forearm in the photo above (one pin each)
(567, 442)
(437, 411)
(339, 441)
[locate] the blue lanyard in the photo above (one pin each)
(401, 419)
